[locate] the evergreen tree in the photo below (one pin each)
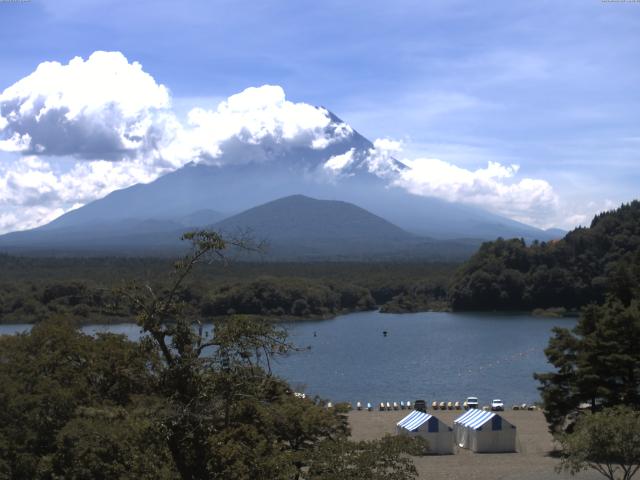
(571, 272)
(597, 363)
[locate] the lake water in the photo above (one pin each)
(435, 356)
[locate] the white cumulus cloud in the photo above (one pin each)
(494, 187)
(339, 162)
(104, 107)
(258, 116)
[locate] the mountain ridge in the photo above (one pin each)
(296, 227)
(247, 175)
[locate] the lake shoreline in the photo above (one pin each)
(117, 320)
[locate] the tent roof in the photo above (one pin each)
(412, 421)
(474, 418)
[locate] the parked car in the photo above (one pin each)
(472, 402)
(497, 405)
(420, 405)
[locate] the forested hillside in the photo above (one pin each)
(572, 272)
(34, 289)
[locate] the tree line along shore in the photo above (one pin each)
(554, 278)
(87, 289)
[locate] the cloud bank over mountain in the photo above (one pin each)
(494, 187)
(73, 133)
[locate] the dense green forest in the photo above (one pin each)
(572, 272)
(87, 289)
(503, 275)
(177, 405)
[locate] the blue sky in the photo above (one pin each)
(550, 86)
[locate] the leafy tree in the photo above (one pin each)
(108, 443)
(226, 416)
(51, 372)
(380, 460)
(607, 441)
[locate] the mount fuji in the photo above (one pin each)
(148, 218)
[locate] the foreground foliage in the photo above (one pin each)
(608, 442)
(180, 404)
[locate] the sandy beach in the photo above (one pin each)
(532, 461)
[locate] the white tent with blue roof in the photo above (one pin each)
(484, 432)
(438, 434)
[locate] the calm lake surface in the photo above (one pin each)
(435, 356)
